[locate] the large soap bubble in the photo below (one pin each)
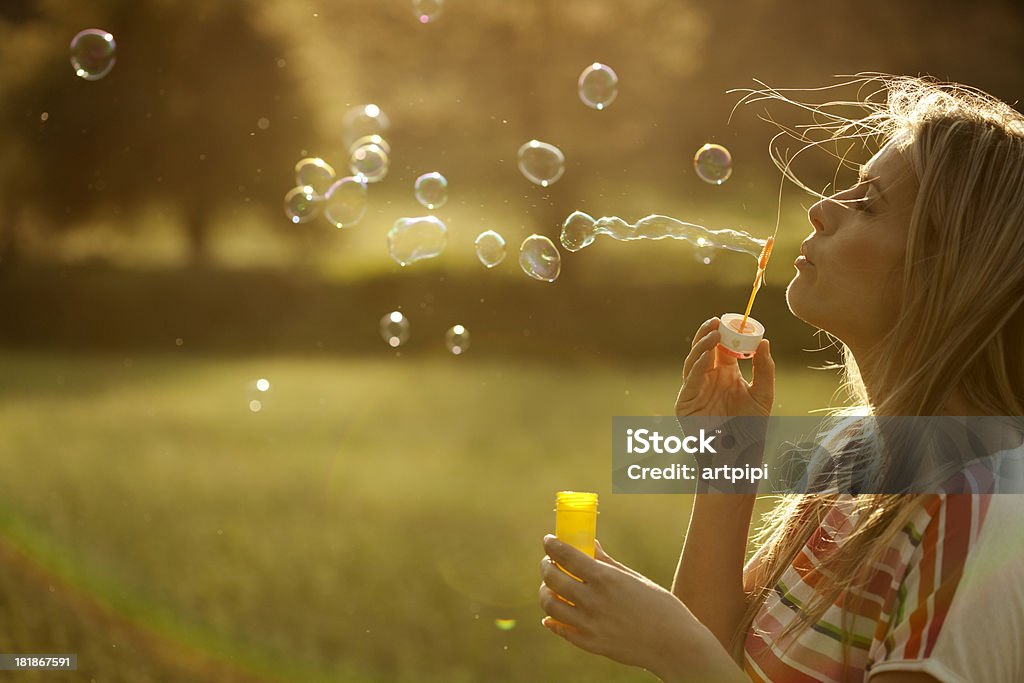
(490, 248)
(541, 163)
(345, 202)
(713, 164)
(598, 86)
(301, 204)
(539, 258)
(370, 161)
(363, 120)
(93, 53)
(415, 239)
(431, 190)
(314, 172)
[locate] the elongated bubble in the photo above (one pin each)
(415, 239)
(579, 230)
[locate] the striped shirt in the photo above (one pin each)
(947, 599)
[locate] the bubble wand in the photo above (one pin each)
(762, 263)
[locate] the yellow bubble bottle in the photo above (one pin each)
(576, 519)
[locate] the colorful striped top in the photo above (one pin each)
(947, 600)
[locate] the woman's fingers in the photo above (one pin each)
(560, 582)
(557, 608)
(762, 384)
(706, 326)
(571, 559)
(708, 341)
(694, 380)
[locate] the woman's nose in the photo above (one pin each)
(816, 215)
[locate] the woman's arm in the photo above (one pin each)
(709, 576)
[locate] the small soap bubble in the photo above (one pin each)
(577, 231)
(414, 239)
(541, 163)
(93, 53)
(598, 86)
(394, 328)
(301, 204)
(263, 384)
(539, 258)
(457, 340)
(505, 624)
(363, 120)
(427, 11)
(704, 251)
(255, 405)
(345, 202)
(490, 248)
(371, 140)
(713, 164)
(263, 123)
(314, 172)
(369, 161)
(432, 190)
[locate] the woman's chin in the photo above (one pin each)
(799, 299)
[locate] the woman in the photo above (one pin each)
(918, 270)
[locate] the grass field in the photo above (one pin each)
(369, 523)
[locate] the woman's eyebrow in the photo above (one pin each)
(862, 177)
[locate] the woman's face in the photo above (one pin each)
(849, 274)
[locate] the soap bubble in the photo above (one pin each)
(505, 624)
(539, 258)
(457, 340)
(432, 190)
(394, 327)
(427, 10)
(371, 140)
(713, 164)
(345, 202)
(93, 53)
(490, 248)
(598, 86)
(414, 239)
(541, 163)
(363, 120)
(370, 161)
(263, 384)
(301, 204)
(314, 172)
(577, 231)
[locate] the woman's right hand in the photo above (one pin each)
(714, 385)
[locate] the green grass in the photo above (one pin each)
(369, 523)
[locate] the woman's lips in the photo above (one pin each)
(802, 262)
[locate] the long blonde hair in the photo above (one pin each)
(962, 308)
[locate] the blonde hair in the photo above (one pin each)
(962, 301)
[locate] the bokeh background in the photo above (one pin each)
(379, 517)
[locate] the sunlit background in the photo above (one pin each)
(241, 443)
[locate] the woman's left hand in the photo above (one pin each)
(623, 615)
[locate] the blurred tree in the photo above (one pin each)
(200, 111)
